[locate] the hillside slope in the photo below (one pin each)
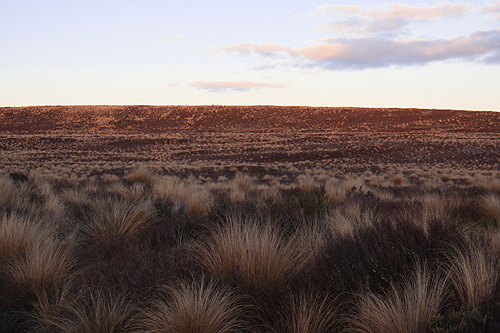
(241, 118)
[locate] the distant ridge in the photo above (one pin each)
(242, 118)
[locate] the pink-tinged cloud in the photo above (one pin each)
(385, 18)
(493, 10)
(265, 49)
(395, 11)
(216, 86)
(361, 53)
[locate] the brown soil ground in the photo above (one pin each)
(110, 139)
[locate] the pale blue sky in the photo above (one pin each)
(357, 53)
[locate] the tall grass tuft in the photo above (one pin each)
(195, 308)
(306, 183)
(197, 200)
(490, 206)
(141, 174)
(255, 250)
(7, 191)
(310, 313)
(45, 266)
(401, 309)
(473, 273)
(97, 312)
(334, 193)
(117, 218)
(19, 234)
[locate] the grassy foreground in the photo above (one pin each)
(153, 253)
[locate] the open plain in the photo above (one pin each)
(249, 219)
(83, 141)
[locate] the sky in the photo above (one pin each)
(423, 54)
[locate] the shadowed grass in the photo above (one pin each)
(97, 312)
(195, 308)
(473, 273)
(406, 309)
(310, 313)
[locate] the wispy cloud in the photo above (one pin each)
(217, 86)
(389, 18)
(372, 52)
(493, 10)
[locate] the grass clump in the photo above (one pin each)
(402, 309)
(254, 250)
(196, 308)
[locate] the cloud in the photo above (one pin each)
(373, 52)
(265, 49)
(217, 86)
(493, 10)
(390, 18)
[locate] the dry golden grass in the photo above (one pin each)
(473, 273)
(94, 313)
(490, 206)
(398, 179)
(45, 266)
(406, 309)
(253, 249)
(19, 234)
(310, 313)
(306, 183)
(117, 218)
(189, 307)
(141, 174)
(196, 199)
(242, 182)
(7, 191)
(334, 193)
(349, 219)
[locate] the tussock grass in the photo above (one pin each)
(254, 250)
(473, 273)
(196, 308)
(45, 266)
(310, 313)
(490, 206)
(118, 218)
(97, 312)
(398, 180)
(334, 193)
(19, 234)
(278, 258)
(197, 200)
(7, 191)
(402, 309)
(349, 219)
(141, 174)
(306, 183)
(242, 182)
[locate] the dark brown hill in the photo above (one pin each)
(241, 118)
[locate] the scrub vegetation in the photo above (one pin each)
(249, 219)
(156, 253)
